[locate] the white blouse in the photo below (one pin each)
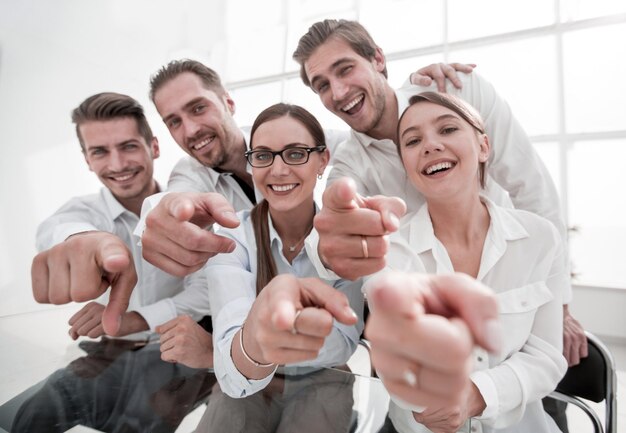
(522, 261)
(231, 280)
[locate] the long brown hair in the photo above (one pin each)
(266, 266)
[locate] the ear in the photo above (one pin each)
(154, 148)
(485, 148)
(229, 103)
(324, 159)
(379, 60)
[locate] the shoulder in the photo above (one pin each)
(537, 226)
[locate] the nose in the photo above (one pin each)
(116, 160)
(431, 144)
(279, 167)
(190, 128)
(339, 89)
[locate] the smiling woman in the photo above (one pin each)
(517, 254)
(287, 320)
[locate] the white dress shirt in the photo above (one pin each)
(514, 166)
(158, 296)
(232, 282)
(522, 262)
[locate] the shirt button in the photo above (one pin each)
(480, 359)
(524, 303)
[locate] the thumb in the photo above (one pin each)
(322, 295)
(420, 80)
(120, 271)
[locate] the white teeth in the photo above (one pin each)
(123, 178)
(353, 103)
(203, 143)
(283, 188)
(438, 167)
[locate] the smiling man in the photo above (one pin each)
(89, 239)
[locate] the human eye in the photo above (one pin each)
(262, 156)
(296, 154)
(130, 147)
(97, 152)
(345, 70)
(412, 141)
(322, 87)
(448, 129)
(172, 123)
(198, 108)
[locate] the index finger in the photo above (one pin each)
(39, 275)
(319, 294)
(341, 195)
(203, 209)
(123, 277)
(469, 300)
(164, 327)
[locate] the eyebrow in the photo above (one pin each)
(334, 66)
(439, 118)
(286, 146)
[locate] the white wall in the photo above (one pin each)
(53, 54)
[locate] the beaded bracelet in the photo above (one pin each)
(256, 364)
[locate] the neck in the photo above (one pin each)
(235, 161)
(387, 126)
(462, 222)
(133, 204)
(294, 225)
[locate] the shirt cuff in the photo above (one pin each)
(488, 390)
(64, 231)
(310, 244)
(158, 313)
(232, 382)
(148, 204)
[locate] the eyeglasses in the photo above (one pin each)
(290, 155)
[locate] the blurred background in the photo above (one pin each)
(559, 63)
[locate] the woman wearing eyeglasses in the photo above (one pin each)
(267, 309)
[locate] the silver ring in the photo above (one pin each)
(294, 331)
(364, 247)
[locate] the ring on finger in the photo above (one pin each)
(364, 247)
(294, 331)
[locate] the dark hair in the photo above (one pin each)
(266, 266)
(208, 76)
(460, 107)
(108, 106)
(351, 32)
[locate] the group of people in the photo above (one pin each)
(438, 215)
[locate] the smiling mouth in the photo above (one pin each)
(349, 108)
(202, 143)
(438, 168)
(123, 177)
(283, 188)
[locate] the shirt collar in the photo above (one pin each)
(114, 207)
(502, 228)
(274, 237)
